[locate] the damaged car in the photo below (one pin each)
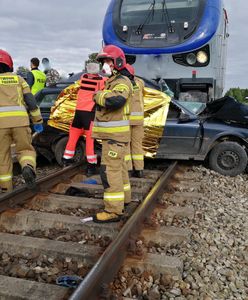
(215, 132)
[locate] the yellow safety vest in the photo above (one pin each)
(39, 81)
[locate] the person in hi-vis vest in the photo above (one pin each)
(36, 79)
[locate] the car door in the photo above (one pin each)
(181, 136)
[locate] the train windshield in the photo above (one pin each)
(136, 12)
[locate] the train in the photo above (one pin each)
(180, 42)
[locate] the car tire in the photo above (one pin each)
(59, 150)
(228, 158)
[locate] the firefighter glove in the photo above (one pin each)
(38, 128)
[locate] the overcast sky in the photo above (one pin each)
(67, 31)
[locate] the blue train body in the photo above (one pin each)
(165, 39)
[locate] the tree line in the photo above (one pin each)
(239, 94)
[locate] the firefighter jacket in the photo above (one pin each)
(89, 84)
(137, 103)
(16, 102)
(39, 81)
(112, 112)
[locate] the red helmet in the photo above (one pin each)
(114, 53)
(130, 69)
(6, 59)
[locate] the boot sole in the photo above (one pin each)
(118, 219)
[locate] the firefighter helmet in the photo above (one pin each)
(114, 53)
(6, 59)
(130, 69)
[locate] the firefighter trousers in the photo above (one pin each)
(74, 135)
(114, 175)
(135, 160)
(26, 155)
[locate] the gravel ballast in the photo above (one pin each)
(216, 257)
(42, 170)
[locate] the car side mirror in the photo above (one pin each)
(183, 118)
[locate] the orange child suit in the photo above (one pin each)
(84, 116)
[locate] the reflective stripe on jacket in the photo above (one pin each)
(112, 114)
(137, 103)
(112, 127)
(39, 81)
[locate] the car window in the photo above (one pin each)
(48, 100)
(193, 96)
(194, 107)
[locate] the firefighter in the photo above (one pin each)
(84, 116)
(136, 158)
(15, 100)
(36, 79)
(111, 125)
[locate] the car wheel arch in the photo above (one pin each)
(228, 138)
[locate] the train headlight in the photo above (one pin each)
(191, 58)
(202, 57)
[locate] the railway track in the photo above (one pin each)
(42, 236)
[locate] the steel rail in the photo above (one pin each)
(21, 194)
(93, 287)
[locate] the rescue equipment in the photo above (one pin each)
(89, 84)
(83, 120)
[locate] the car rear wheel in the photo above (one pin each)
(60, 148)
(228, 158)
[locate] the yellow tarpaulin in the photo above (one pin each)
(156, 106)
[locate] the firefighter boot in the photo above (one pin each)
(138, 173)
(29, 177)
(91, 169)
(106, 217)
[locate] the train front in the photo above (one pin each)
(181, 41)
